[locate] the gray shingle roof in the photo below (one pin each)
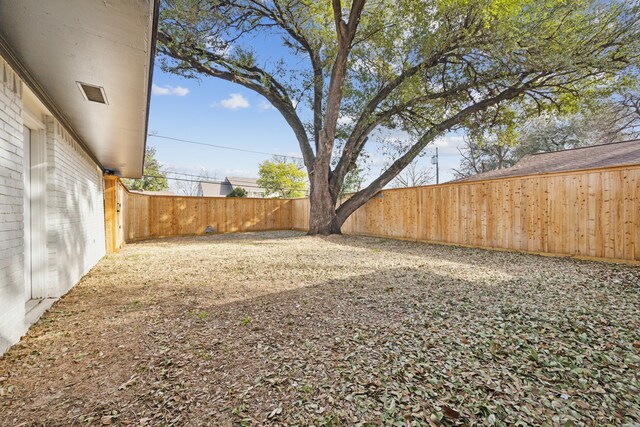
(592, 157)
(215, 189)
(221, 189)
(249, 184)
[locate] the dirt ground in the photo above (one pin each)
(284, 329)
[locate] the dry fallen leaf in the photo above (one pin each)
(449, 412)
(277, 411)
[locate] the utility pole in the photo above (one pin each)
(434, 161)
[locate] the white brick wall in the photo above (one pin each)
(12, 311)
(74, 210)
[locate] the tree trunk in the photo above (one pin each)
(322, 216)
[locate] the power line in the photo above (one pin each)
(204, 180)
(201, 177)
(222, 146)
(212, 182)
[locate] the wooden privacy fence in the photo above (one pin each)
(593, 213)
(134, 216)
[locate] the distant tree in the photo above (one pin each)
(415, 174)
(189, 186)
(282, 178)
(602, 123)
(614, 119)
(486, 150)
(353, 181)
(631, 100)
(238, 192)
(154, 175)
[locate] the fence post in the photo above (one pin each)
(110, 212)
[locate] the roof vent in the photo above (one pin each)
(93, 93)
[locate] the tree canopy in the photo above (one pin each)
(342, 73)
(282, 179)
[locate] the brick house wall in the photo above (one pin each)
(75, 210)
(12, 308)
(73, 217)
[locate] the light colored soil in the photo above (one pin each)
(284, 329)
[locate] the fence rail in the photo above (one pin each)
(594, 213)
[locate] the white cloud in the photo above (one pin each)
(265, 105)
(235, 102)
(237, 172)
(448, 145)
(169, 90)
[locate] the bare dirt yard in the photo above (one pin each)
(284, 329)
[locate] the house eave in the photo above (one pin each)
(54, 45)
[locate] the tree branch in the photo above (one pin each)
(358, 137)
(356, 200)
(252, 78)
(288, 23)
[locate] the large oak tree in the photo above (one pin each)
(339, 71)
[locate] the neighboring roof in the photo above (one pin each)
(153, 193)
(592, 157)
(215, 189)
(221, 189)
(249, 184)
(55, 44)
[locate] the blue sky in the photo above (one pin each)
(217, 112)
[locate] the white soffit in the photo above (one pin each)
(101, 43)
